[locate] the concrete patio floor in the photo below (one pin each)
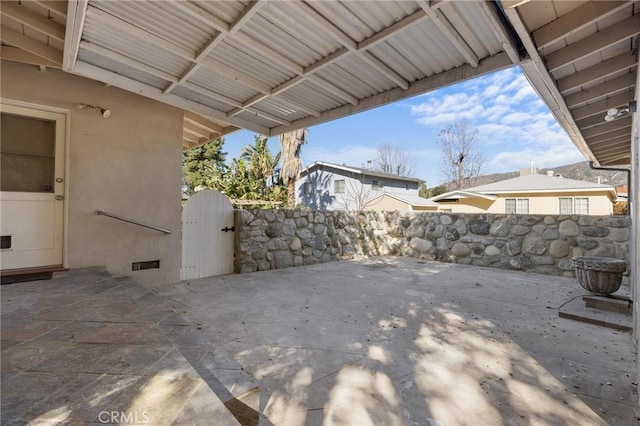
(88, 348)
(391, 341)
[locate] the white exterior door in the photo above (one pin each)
(207, 236)
(32, 154)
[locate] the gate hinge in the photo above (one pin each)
(227, 229)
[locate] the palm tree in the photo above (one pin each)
(260, 160)
(290, 146)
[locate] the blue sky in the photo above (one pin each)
(514, 124)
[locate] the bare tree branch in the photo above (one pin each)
(394, 159)
(462, 160)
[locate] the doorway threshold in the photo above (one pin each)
(12, 276)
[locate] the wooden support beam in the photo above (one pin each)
(259, 113)
(383, 69)
(592, 44)
(144, 36)
(344, 39)
(117, 57)
(610, 126)
(211, 94)
(451, 33)
(336, 91)
(55, 8)
(30, 45)
(599, 71)
(391, 30)
(33, 20)
(237, 75)
(242, 19)
(536, 72)
(15, 54)
(602, 106)
(202, 122)
(446, 78)
(623, 137)
(615, 146)
(602, 90)
(594, 140)
(501, 30)
(76, 15)
(190, 8)
(198, 131)
(575, 20)
(96, 73)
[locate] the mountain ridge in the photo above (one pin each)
(578, 171)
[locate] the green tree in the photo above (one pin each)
(290, 147)
(262, 163)
(203, 166)
(426, 192)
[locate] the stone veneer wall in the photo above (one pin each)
(275, 239)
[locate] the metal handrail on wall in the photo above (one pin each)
(134, 222)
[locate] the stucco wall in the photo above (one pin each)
(599, 203)
(283, 238)
(128, 164)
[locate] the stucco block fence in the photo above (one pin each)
(276, 239)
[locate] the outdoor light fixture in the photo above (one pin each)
(105, 113)
(615, 113)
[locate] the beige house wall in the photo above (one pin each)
(390, 204)
(128, 164)
(548, 203)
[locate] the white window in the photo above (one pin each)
(577, 205)
(566, 206)
(376, 184)
(516, 205)
(306, 188)
(338, 186)
(581, 206)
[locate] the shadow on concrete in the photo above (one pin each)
(397, 341)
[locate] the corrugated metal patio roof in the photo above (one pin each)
(273, 66)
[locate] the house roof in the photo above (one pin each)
(462, 194)
(274, 66)
(539, 183)
(413, 200)
(360, 171)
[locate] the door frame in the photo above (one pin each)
(33, 107)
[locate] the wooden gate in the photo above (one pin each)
(207, 236)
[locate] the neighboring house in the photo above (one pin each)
(327, 186)
(532, 194)
(400, 202)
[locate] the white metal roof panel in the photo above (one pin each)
(313, 61)
(221, 84)
(155, 17)
(280, 108)
(537, 183)
(103, 34)
(202, 99)
(314, 96)
(122, 69)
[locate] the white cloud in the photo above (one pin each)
(515, 125)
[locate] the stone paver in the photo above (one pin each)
(87, 348)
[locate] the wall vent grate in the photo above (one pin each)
(150, 264)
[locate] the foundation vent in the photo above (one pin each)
(150, 264)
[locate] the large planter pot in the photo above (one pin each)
(599, 275)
